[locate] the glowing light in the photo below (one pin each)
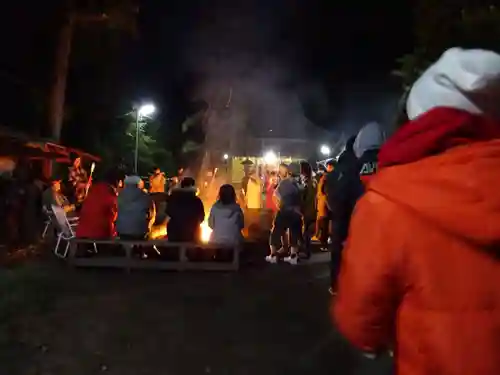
(226, 156)
(270, 157)
(206, 232)
(158, 231)
(147, 110)
(325, 150)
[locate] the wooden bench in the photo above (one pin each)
(128, 261)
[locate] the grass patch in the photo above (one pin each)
(26, 290)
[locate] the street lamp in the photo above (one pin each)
(270, 157)
(144, 110)
(325, 150)
(226, 156)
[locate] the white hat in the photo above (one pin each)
(370, 137)
(462, 79)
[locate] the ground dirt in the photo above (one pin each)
(262, 320)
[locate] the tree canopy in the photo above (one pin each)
(442, 24)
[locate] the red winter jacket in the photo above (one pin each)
(98, 214)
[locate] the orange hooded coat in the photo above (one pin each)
(421, 269)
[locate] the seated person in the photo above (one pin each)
(185, 213)
(226, 218)
(99, 210)
(136, 211)
(53, 196)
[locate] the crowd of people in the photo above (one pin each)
(119, 206)
(411, 222)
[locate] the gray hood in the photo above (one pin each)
(134, 207)
(370, 137)
(226, 210)
(227, 222)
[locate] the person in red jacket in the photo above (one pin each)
(421, 269)
(100, 208)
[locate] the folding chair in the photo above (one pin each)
(48, 221)
(66, 230)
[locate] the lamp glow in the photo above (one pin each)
(325, 150)
(270, 157)
(146, 110)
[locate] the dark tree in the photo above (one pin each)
(117, 15)
(442, 24)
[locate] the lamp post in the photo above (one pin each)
(144, 110)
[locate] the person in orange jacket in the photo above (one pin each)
(421, 269)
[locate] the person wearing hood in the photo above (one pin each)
(346, 185)
(100, 208)
(421, 270)
(347, 165)
(136, 211)
(366, 147)
(226, 218)
(185, 213)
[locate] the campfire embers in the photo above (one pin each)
(160, 231)
(206, 232)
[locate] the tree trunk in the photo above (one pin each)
(58, 89)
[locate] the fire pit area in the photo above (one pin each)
(256, 228)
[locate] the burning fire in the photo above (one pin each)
(206, 232)
(160, 231)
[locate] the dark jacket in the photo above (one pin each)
(346, 183)
(186, 213)
(342, 189)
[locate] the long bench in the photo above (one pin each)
(128, 261)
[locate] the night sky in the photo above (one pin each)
(335, 57)
(332, 55)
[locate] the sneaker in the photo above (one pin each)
(292, 259)
(272, 258)
(324, 249)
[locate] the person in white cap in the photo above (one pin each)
(421, 270)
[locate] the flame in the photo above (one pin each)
(158, 231)
(206, 232)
